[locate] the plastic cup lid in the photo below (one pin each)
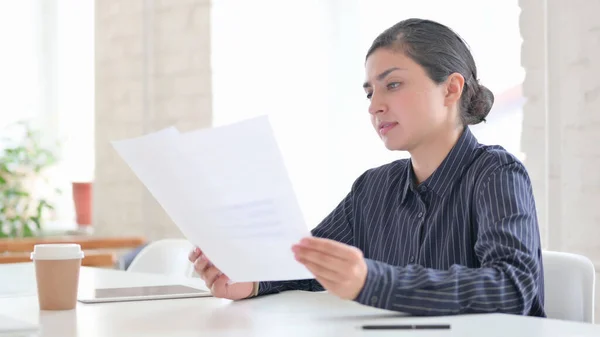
(62, 251)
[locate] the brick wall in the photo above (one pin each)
(152, 71)
(561, 127)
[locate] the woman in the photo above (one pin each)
(451, 230)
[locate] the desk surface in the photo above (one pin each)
(287, 314)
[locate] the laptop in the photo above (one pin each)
(145, 293)
(11, 327)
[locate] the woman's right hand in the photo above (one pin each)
(216, 281)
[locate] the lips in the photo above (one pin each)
(385, 127)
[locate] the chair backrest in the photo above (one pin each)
(569, 286)
(167, 256)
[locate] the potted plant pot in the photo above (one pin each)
(82, 197)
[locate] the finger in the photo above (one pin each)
(328, 285)
(221, 281)
(219, 286)
(323, 273)
(194, 254)
(201, 264)
(332, 247)
(210, 275)
(324, 260)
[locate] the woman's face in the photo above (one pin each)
(407, 108)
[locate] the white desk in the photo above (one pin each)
(287, 314)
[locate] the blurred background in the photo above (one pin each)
(77, 74)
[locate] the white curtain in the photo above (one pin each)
(301, 62)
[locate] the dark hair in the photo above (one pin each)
(441, 52)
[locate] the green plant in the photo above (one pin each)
(22, 167)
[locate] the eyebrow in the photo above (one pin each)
(382, 76)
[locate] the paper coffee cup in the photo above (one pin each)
(57, 275)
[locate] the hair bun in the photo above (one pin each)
(480, 106)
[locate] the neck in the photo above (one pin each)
(426, 158)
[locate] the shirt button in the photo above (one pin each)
(422, 189)
(420, 214)
(412, 258)
(374, 300)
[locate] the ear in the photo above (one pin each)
(454, 87)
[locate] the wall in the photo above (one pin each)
(152, 71)
(561, 127)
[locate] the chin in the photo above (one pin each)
(395, 141)
(394, 146)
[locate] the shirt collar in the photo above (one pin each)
(452, 167)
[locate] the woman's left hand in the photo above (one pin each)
(341, 269)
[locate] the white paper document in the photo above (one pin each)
(228, 191)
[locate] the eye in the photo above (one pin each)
(393, 85)
(369, 95)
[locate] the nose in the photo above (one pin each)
(377, 105)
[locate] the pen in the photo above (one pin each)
(407, 327)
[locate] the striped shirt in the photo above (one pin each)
(466, 240)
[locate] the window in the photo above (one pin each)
(21, 80)
(48, 78)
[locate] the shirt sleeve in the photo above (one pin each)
(338, 225)
(508, 248)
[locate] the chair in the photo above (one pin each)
(569, 286)
(166, 256)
